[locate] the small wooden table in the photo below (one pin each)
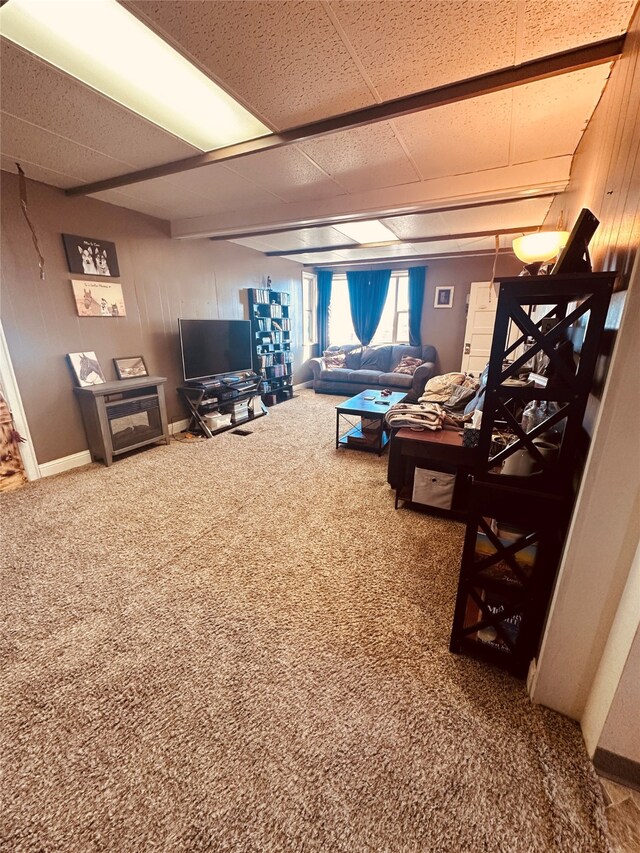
(438, 450)
(369, 433)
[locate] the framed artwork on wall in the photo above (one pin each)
(86, 368)
(88, 256)
(130, 366)
(444, 297)
(98, 298)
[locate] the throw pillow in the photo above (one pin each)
(333, 360)
(408, 364)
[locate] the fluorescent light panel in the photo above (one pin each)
(371, 231)
(103, 45)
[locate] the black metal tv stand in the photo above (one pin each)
(222, 395)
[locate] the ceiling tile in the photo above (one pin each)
(137, 203)
(363, 158)
(199, 192)
(22, 140)
(527, 211)
(287, 173)
(564, 104)
(224, 189)
(37, 173)
(416, 225)
(311, 238)
(43, 96)
(551, 26)
(320, 259)
(407, 46)
(456, 139)
(284, 61)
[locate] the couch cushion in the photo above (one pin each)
(398, 351)
(397, 380)
(364, 376)
(337, 374)
(376, 358)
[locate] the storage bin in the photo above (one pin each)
(433, 488)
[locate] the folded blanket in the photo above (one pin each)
(423, 415)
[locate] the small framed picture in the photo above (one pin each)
(130, 366)
(444, 297)
(86, 368)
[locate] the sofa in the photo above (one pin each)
(372, 367)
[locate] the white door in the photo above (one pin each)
(481, 317)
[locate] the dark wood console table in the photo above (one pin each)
(435, 450)
(123, 415)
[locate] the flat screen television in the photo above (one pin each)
(214, 347)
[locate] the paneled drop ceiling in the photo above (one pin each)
(446, 178)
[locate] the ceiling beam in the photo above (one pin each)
(470, 235)
(339, 265)
(565, 62)
(336, 220)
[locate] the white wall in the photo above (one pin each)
(611, 719)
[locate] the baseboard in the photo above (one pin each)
(301, 385)
(619, 769)
(76, 460)
(65, 463)
(178, 426)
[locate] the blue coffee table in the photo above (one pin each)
(368, 432)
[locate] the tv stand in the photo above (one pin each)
(222, 396)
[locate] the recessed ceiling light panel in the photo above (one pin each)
(371, 231)
(103, 45)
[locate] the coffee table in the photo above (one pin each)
(369, 432)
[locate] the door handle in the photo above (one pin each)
(467, 349)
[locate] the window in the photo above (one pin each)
(394, 323)
(309, 303)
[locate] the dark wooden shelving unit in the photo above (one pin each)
(517, 525)
(271, 340)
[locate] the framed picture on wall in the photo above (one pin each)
(98, 298)
(444, 297)
(130, 366)
(88, 256)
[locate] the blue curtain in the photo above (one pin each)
(417, 278)
(325, 278)
(367, 294)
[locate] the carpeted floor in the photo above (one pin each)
(238, 645)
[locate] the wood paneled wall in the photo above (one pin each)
(162, 279)
(605, 175)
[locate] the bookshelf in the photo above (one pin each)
(518, 522)
(271, 339)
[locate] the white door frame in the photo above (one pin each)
(12, 394)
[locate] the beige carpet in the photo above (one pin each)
(238, 645)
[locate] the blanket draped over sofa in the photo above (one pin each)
(372, 367)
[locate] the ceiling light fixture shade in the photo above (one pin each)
(126, 61)
(371, 231)
(540, 246)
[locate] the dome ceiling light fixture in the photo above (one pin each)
(539, 247)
